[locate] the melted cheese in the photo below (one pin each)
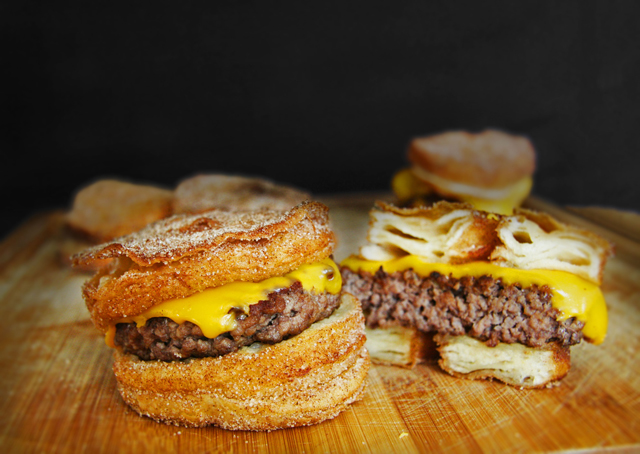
(411, 183)
(571, 295)
(406, 186)
(518, 192)
(211, 308)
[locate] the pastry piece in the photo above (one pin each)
(107, 209)
(523, 286)
(492, 170)
(234, 193)
(230, 318)
(398, 345)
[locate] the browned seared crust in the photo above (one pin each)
(108, 209)
(489, 159)
(304, 380)
(186, 254)
(523, 367)
(233, 192)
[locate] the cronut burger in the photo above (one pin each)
(491, 170)
(503, 297)
(232, 319)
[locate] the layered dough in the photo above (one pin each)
(300, 381)
(514, 364)
(455, 233)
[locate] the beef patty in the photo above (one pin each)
(283, 314)
(480, 307)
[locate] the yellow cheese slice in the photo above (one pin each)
(210, 309)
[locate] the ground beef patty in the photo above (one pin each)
(284, 314)
(481, 307)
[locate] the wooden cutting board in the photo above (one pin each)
(58, 394)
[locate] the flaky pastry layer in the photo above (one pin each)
(456, 233)
(513, 364)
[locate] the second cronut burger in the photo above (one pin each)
(230, 319)
(492, 170)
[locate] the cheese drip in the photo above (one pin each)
(571, 295)
(210, 309)
(412, 183)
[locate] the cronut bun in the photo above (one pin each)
(399, 346)
(513, 364)
(184, 254)
(107, 209)
(304, 380)
(204, 192)
(455, 233)
(490, 159)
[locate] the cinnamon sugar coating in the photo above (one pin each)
(205, 192)
(489, 159)
(185, 254)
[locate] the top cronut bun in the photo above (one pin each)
(234, 193)
(185, 254)
(456, 233)
(107, 209)
(490, 159)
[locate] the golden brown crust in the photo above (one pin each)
(300, 381)
(107, 209)
(181, 235)
(489, 159)
(513, 364)
(205, 192)
(187, 254)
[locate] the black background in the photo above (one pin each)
(324, 96)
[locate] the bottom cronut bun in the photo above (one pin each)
(466, 357)
(304, 380)
(514, 364)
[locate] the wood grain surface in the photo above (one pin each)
(58, 394)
